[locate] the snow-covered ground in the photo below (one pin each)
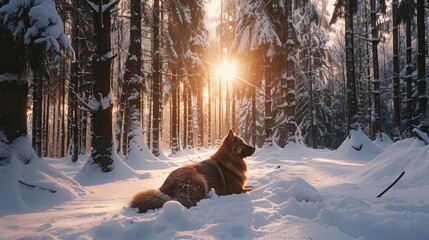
(301, 193)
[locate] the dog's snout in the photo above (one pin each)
(251, 150)
(247, 151)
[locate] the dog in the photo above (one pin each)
(225, 172)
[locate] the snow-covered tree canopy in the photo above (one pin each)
(255, 29)
(35, 22)
(187, 40)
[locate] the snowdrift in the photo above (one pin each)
(410, 155)
(263, 206)
(140, 157)
(91, 173)
(357, 147)
(33, 185)
(300, 193)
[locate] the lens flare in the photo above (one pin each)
(227, 70)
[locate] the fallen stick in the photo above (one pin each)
(33, 186)
(391, 185)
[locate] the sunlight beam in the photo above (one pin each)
(227, 70)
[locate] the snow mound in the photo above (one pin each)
(91, 173)
(283, 190)
(357, 147)
(409, 155)
(139, 156)
(237, 216)
(33, 185)
(298, 151)
(384, 142)
(361, 220)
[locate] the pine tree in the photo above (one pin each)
(350, 8)
(376, 81)
(256, 36)
(156, 80)
(133, 80)
(406, 14)
(102, 145)
(421, 68)
(396, 72)
(17, 42)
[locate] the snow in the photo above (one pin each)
(95, 104)
(300, 193)
(8, 77)
(36, 21)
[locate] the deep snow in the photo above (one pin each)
(301, 193)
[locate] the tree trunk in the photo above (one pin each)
(13, 93)
(189, 116)
(156, 91)
(253, 89)
(376, 81)
(134, 66)
(13, 106)
(421, 68)
(209, 112)
(350, 71)
(233, 117)
(102, 136)
(396, 73)
(46, 114)
(185, 114)
(200, 114)
(73, 91)
(37, 68)
(174, 110)
(220, 113)
(289, 109)
(409, 78)
(268, 105)
(63, 111)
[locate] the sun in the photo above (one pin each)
(227, 70)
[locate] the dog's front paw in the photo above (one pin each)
(248, 188)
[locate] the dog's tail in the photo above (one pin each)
(149, 199)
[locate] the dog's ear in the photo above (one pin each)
(230, 137)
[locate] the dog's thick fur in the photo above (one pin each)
(225, 172)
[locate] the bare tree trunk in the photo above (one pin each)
(268, 105)
(209, 112)
(156, 91)
(190, 139)
(254, 111)
(134, 131)
(46, 113)
(37, 103)
(174, 110)
(376, 81)
(409, 78)
(350, 71)
(396, 73)
(200, 113)
(421, 68)
(233, 117)
(63, 111)
(73, 91)
(185, 114)
(289, 109)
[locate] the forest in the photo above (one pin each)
(105, 77)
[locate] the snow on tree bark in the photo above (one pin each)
(102, 135)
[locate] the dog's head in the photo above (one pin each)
(238, 146)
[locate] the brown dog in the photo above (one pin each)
(224, 171)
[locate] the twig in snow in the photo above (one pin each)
(391, 185)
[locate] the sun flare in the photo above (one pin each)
(227, 70)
